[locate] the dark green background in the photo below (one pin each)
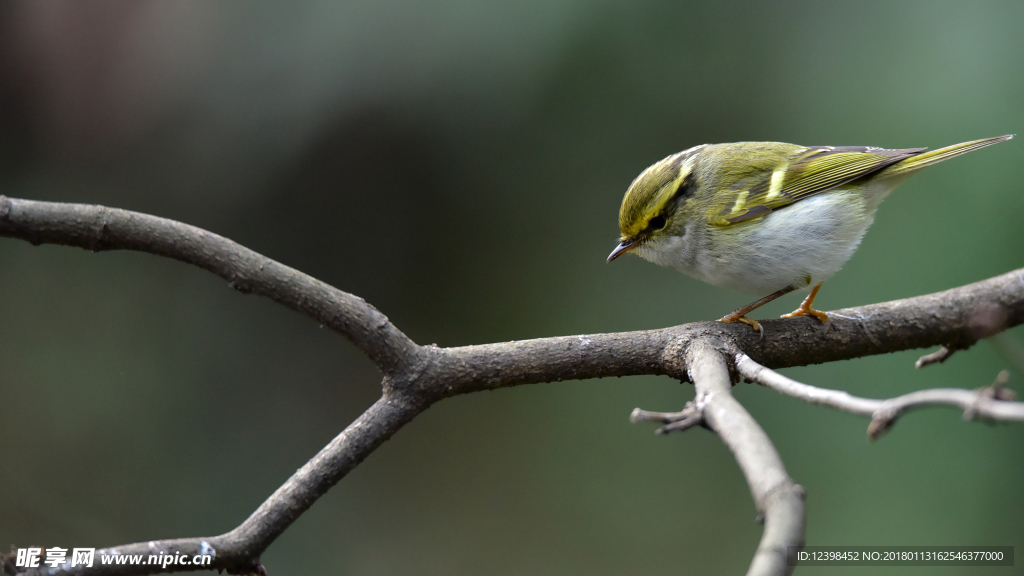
(460, 165)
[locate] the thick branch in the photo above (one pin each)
(987, 402)
(958, 317)
(961, 316)
(98, 228)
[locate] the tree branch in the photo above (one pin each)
(99, 228)
(958, 317)
(416, 376)
(993, 402)
(239, 550)
(937, 357)
(778, 498)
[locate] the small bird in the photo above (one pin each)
(765, 217)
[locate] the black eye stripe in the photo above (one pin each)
(685, 188)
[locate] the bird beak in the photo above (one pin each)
(624, 246)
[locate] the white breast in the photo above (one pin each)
(802, 244)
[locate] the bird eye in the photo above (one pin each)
(656, 223)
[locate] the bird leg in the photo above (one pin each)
(740, 314)
(806, 310)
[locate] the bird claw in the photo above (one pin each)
(808, 311)
(749, 322)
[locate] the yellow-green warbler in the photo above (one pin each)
(764, 217)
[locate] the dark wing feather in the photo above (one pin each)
(804, 173)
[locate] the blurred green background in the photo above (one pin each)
(460, 164)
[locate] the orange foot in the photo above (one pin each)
(806, 310)
(740, 315)
(740, 318)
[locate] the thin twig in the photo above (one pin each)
(937, 357)
(990, 403)
(691, 415)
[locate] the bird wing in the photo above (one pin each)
(801, 174)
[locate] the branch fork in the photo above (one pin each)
(415, 376)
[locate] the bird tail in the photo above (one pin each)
(918, 161)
